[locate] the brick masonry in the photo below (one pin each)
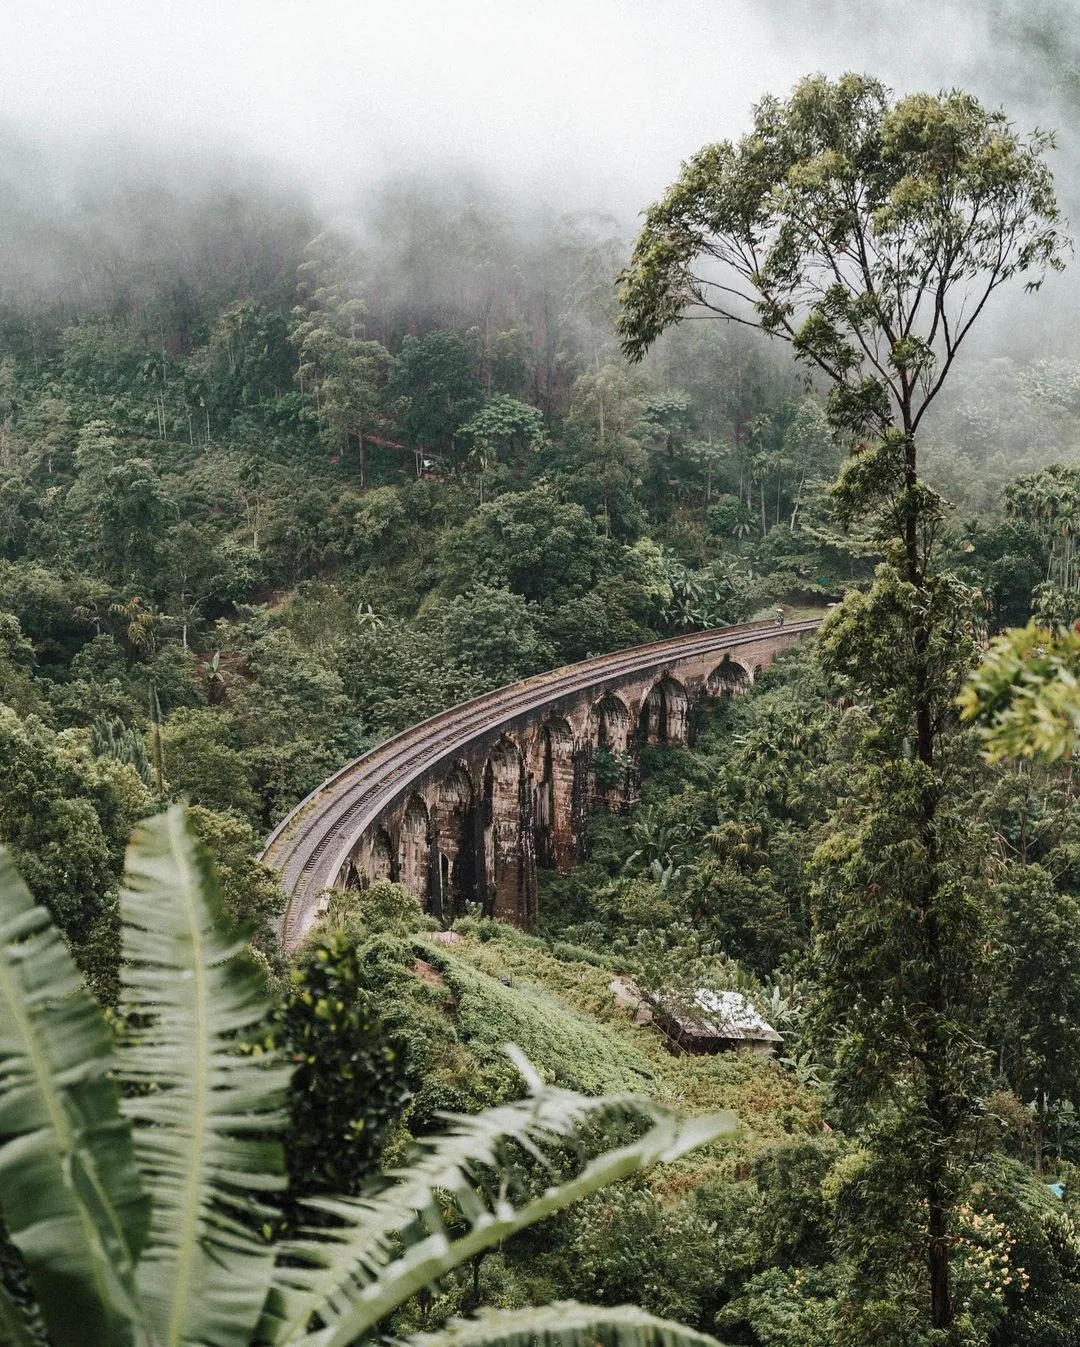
(475, 828)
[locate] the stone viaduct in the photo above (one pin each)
(465, 806)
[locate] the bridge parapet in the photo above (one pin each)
(464, 807)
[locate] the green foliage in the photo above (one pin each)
(629, 1243)
(250, 892)
(200, 1111)
(503, 430)
(935, 178)
(120, 504)
(192, 1132)
(115, 740)
(348, 1084)
(17, 660)
(395, 677)
(566, 1048)
(562, 1324)
(203, 766)
(1025, 694)
(435, 375)
(63, 828)
(1040, 969)
(608, 769)
(1031, 1247)
(72, 1200)
(384, 908)
(1049, 501)
(530, 542)
(496, 635)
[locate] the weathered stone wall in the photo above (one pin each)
(476, 828)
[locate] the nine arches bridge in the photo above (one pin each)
(464, 806)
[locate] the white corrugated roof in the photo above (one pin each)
(727, 1014)
(733, 1014)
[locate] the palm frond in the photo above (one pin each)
(15, 1328)
(200, 1108)
(70, 1192)
(564, 1324)
(353, 1276)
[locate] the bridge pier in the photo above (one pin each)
(553, 764)
(454, 834)
(458, 842)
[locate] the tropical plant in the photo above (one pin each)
(1049, 501)
(131, 1177)
(658, 837)
(1026, 694)
(217, 679)
(113, 739)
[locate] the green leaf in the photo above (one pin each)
(201, 1108)
(358, 1274)
(1026, 694)
(564, 1324)
(69, 1188)
(15, 1325)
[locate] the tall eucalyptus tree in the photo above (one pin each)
(870, 235)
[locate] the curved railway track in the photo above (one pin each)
(310, 846)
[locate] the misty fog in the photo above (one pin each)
(133, 134)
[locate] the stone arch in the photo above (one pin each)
(501, 821)
(455, 839)
(665, 713)
(414, 848)
(380, 856)
(553, 793)
(372, 859)
(456, 789)
(612, 723)
(612, 732)
(728, 678)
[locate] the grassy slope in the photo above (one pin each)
(562, 1013)
(655, 1239)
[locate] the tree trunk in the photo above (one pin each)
(1040, 1134)
(795, 503)
(941, 1306)
(938, 1108)
(159, 752)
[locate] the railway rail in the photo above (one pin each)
(311, 845)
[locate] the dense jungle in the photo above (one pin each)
(275, 486)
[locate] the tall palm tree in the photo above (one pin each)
(131, 1177)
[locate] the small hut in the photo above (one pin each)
(716, 1021)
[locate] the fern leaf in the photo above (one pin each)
(69, 1188)
(357, 1274)
(201, 1109)
(564, 1324)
